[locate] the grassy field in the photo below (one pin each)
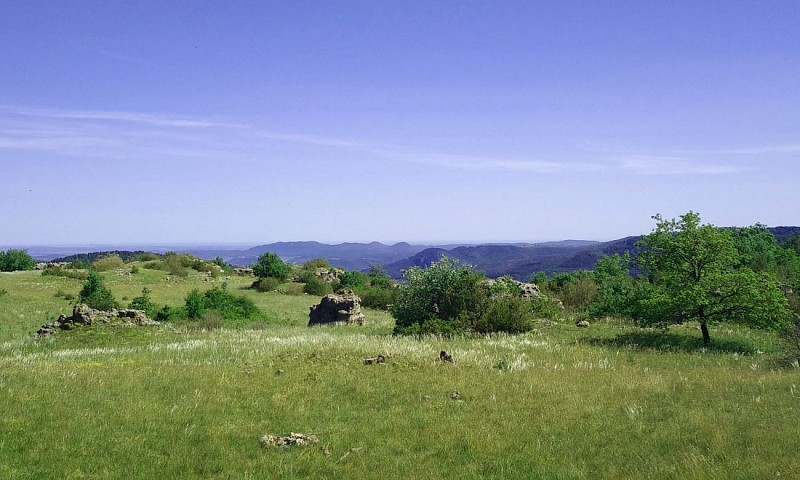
(610, 401)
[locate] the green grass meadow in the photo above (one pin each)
(610, 401)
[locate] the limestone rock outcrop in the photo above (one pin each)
(83, 315)
(335, 308)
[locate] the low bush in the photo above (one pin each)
(95, 294)
(506, 314)
(316, 286)
(230, 306)
(110, 262)
(266, 284)
(316, 263)
(352, 280)
(63, 272)
(143, 302)
(378, 298)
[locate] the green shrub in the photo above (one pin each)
(195, 305)
(79, 264)
(14, 260)
(3, 292)
(168, 314)
(508, 314)
(379, 298)
(134, 270)
(446, 297)
(62, 272)
(144, 257)
(175, 264)
(271, 265)
(378, 277)
(266, 284)
(110, 262)
(316, 263)
(143, 302)
(316, 286)
(352, 280)
(95, 294)
(231, 307)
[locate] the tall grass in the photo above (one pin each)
(610, 401)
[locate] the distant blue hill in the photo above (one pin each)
(519, 260)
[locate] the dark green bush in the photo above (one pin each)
(109, 262)
(143, 302)
(168, 314)
(95, 294)
(446, 296)
(378, 298)
(506, 314)
(352, 280)
(14, 260)
(266, 284)
(271, 265)
(195, 305)
(316, 263)
(63, 272)
(316, 286)
(231, 307)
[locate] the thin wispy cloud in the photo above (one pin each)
(116, 134)
(133, 117)
(651, 165)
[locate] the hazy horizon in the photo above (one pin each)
(220, 123)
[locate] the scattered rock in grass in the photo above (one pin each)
(445, 357)
(337, 309)
(83, 315)
(292, 439)
(582, 324)
(375, 360)
(455, 395)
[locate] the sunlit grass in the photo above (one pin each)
(610, 401)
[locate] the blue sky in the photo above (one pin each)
(251, 122)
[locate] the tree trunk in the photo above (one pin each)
(706, 336)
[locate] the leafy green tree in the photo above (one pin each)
(271, 265)
(698, 275)
(195, 304)
(446, 297)
(95, 294)
(15, 259)
(378, 277)
(352, 279)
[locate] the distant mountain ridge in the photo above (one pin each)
(519, 260)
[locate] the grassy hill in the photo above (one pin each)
(610, 401)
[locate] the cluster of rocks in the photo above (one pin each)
(529, 291)
(243, 271)
(344, 308)
(83, 315)
(287, 440)
(328, 275)
(46, 265)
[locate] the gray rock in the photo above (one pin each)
(337, 309)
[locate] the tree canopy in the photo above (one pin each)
(15, 259)
(270, 265)
(698, 274)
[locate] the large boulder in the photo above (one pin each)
(335, 308)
